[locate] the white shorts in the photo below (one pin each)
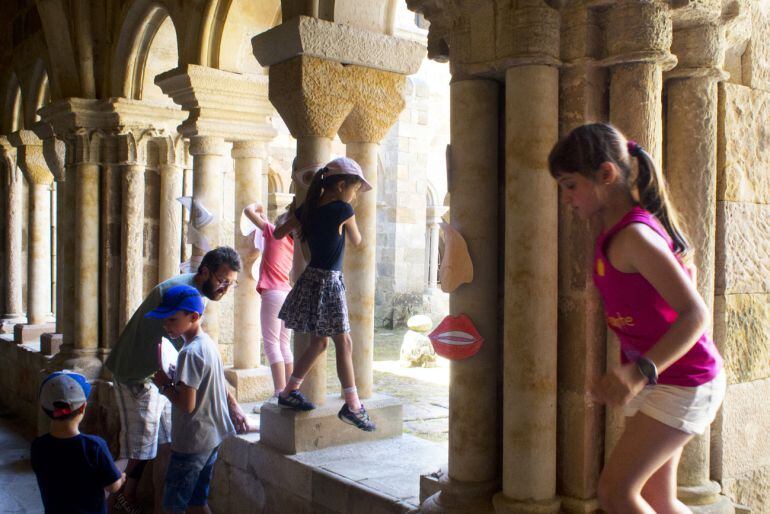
(145, 420)
(689, 409)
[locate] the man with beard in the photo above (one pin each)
(145, 414)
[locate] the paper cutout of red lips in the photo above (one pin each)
(456, 338)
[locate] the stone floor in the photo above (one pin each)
(18, 488)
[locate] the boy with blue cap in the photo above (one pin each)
(73, 470)
(200, 420)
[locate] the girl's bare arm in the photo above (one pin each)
(292, 223)
(353, 235)
(255, 213)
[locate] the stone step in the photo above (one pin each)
(290, 431)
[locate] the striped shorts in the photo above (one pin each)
(145, 420)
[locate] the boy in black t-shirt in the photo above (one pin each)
(73, 469)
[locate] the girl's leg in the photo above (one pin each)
(271, 332)
(645, 447)
(660, 489)
(288, 358)
(305, 363)
(344, 349)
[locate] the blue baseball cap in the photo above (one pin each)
(178, 298)
(63, 392)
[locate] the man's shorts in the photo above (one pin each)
(188, 480)
(145, 420)
(689, 409)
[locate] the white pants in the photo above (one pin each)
(275, 335)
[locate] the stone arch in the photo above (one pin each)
(431, 193)
(274, 181)
(232, 25)
(37, 94)
(12, 118)
(145, 30)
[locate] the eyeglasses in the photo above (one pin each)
(226, 283)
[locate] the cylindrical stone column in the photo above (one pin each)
(248, 158)
(39, 251)
(531, 293)
(65, 244)
(312, 152)
(207, 154)
(691, 173)
(170, 224)
(13, 216)
(359, 269)
(132, 240)
(474, 448)
(638, 41)
(434, 218)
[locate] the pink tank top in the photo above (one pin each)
(276, 262)
(640, 316)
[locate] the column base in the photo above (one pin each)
(10, 321)
(251, 385)
(50, 343)
(26, 333)
(705, 499)
(578, 506)
(458, 497)
(85, 362)
(505, 505)
(291, 431)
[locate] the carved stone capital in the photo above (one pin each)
(54, 150)
(84, 146)
(639, 32)
(249, 150)
(700, 50)
(29, 152)
(170, 150)
(207, 145)
(132, 146)
(379, 99)
(311, 95)
(582, 38)
(8, 154)
(220, 103)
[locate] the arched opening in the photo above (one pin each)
(231, 39)
(147, 46)
(13, 118)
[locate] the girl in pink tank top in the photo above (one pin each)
(670, 380)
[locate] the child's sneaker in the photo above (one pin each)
(358, 419)
(296, 401)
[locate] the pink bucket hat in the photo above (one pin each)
(346, 166)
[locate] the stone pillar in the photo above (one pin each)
(277, 203)
(207, 154)
(39, 177)
(111, 303)
(531, 271)
(638, 42)
(581, 326)
(474, 448)
(434, 218)
(248, 157)
(14, 311)
(131, 169)
(170, 168)
(691, 172)
(379, 97)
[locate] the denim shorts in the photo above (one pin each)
(188, 479)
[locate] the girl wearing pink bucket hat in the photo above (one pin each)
(316, 304)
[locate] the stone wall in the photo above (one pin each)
(741, 448)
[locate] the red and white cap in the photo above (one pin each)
(347, 166)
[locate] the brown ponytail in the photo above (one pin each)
(587, 147)
(653, 197)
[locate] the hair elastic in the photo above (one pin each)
(633, 148)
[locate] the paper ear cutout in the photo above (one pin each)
(456, 266)
(200, 216)
(456, 338)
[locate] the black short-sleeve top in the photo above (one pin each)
(327, 245)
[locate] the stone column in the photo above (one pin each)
(638, 42)
(14, 311)
(111, 214)
(170, 168)
(691, 173)
(581, 326)
(474, 448)
(531, 271)
(434, 218)
(379, 97)
(277, 203)
(131, 169)
(39, 177)
(207, 154)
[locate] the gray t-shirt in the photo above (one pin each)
(200, 367)
(134, 357)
